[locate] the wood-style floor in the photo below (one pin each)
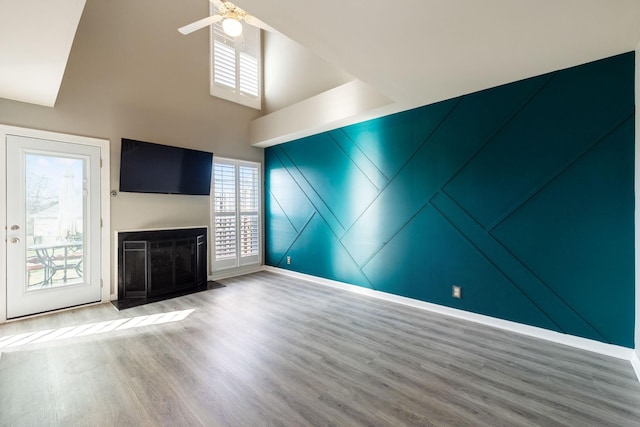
(269, 350)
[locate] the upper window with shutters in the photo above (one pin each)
(236, 66)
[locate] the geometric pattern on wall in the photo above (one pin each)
(522, 194)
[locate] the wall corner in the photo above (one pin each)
(637, 211)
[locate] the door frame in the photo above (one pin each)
(105, 182)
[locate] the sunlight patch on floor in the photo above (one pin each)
(11, 341)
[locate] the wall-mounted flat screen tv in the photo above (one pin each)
(146, 167)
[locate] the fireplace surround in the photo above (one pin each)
(156, 263)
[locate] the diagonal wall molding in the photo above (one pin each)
(521, 194)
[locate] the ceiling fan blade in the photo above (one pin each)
(252, 20)
(194, 26)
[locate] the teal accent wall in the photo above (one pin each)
(521, 194)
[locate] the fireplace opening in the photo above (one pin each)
(160, 263)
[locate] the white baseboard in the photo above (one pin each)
(635, 362)
(618, 352)
(232, 272)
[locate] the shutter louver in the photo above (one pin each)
(248, 75)
(224, 188)
(249, 199)
(249, 235)
(224, 205)
(225, 238)
(224, 65)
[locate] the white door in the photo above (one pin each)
(53, 225)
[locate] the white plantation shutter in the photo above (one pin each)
(225, 211)
(249, 75)
(249, 202)
(235, 208)
(224, 65)
(236, 71)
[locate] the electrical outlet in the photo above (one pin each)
(456, 291)
(288, 260)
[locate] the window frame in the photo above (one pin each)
(248, 43)
(238, 260)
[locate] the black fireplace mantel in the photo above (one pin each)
(154, 263)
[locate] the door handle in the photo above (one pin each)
(15, 227)
(15, 240)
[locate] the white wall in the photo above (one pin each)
(293, 73)
(349, 103)
(131, 74)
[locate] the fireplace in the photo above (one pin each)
(156, 263)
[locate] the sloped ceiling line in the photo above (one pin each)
(38, 37)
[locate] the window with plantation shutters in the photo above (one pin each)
(236, 69)
(235, 208)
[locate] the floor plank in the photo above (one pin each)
(271, 350)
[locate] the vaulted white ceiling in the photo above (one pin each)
(35, 40)
(419, 51)
(409, 53)
(412, 52)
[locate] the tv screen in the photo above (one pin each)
(154, 168)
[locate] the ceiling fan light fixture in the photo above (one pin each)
(232, 27)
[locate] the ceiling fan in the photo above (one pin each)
(231, 17)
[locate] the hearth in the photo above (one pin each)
(154, 263)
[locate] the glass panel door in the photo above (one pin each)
(54, 197)
(53, 225)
